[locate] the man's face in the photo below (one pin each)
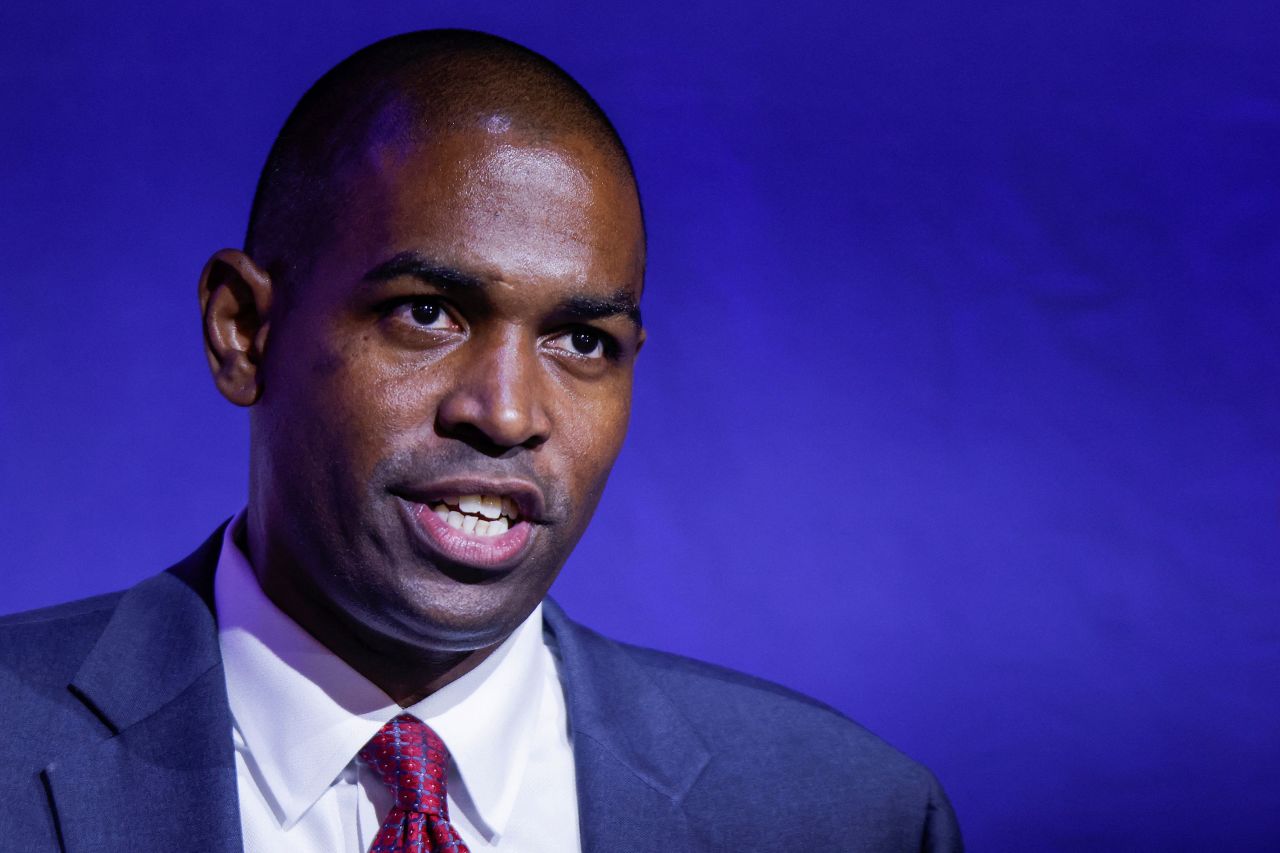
(464, 333)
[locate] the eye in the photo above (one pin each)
(422, 312)
(429, 313)
(583, 341)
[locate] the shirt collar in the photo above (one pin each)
(303, 713)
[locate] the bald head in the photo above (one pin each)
(403, 91)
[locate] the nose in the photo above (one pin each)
(497, 400)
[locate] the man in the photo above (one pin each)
(434, 323)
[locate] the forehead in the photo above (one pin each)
(502, 205)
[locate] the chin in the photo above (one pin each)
(446, 615)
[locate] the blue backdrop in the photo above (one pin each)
(959, 406)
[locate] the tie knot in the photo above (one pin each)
(410, 759)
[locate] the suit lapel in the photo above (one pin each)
(154, 679)
(636, 755)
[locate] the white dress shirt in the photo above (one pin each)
(300, 714)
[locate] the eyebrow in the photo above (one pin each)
(620, 302)
(418, 266)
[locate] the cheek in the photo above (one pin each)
(592, 434)
(385, 405)
(358, 405)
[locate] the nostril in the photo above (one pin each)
(481, 441)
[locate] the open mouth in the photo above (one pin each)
(479, 515)
(484, 530)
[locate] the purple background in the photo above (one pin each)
(959, 407)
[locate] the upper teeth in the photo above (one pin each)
(483, 515)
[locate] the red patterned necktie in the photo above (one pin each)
(410, 759)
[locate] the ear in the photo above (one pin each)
(235, 302)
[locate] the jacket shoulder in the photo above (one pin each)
(40, 653)
(724, 704)
(780, 751)
(48, 643)
(64, 611)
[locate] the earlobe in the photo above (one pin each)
(235, 302)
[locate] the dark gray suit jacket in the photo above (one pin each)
(115, 735)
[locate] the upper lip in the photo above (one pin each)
(526, 496)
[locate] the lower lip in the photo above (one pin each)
(484, 552)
